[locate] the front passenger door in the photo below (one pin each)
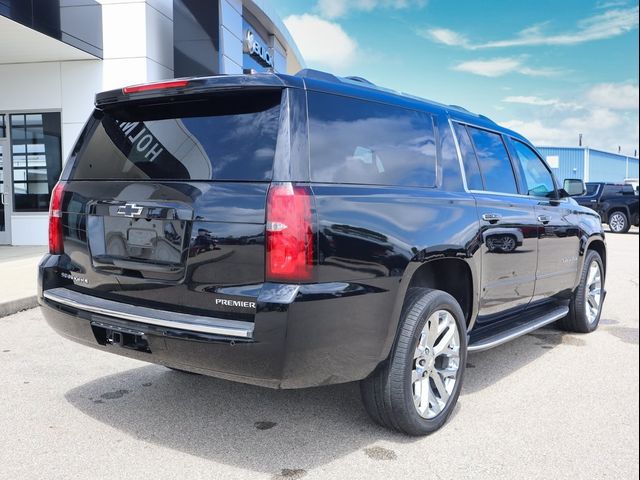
(559, 236)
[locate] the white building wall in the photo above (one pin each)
(231, 36)
(138, 48)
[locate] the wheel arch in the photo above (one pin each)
(444, 273)
(599, 246)
(619, 208)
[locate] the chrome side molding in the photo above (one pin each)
(150, 316)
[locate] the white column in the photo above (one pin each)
(586, 164)
(231, 36)
(137, 41)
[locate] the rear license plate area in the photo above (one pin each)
(143, 238)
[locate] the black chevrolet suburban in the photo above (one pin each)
(617, 204)
(307, 230)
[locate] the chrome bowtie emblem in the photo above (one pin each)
(130, 210)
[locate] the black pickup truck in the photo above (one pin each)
(617, 204)
(298, 231)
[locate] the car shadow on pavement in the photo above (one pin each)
(261, 429)
(489, 367)
(272, 431)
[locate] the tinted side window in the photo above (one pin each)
(469, 159)
(612, 190)
(592, 189)
(538, 178)
(354, 141)
(495, 165)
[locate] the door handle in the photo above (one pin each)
(593, 201)
(491, 217)
(543, 219)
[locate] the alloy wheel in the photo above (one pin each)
(617, 222)
(436, 362)
(593, 292)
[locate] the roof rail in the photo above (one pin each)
(317, 75)
(458, 107)
(329, 77)
(361, 80)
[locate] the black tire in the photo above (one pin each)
(387, 393)
(577, 319)
(621, 222)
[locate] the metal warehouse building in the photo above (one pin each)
(589, 164)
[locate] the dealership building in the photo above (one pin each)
(56, 54)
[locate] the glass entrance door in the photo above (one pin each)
(5, 184)
(5, 196)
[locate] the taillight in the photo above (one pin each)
(56, 245)
(155, 86)
(289, 233)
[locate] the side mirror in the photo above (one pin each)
(574, 187)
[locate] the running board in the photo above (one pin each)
(517, 330)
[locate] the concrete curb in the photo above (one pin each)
(15, 306)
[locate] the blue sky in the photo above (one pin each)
(549, 69)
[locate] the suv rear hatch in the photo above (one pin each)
(164, 200)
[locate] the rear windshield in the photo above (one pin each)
(230, 137)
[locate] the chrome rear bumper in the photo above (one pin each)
(150, 316)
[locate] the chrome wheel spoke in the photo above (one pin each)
(444, 342)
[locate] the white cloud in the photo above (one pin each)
(339, 8)
(445, 36)
(611, 4)
(619, 96)
(606, 117)
(497, 67)
(541, 102)
(321, 42)
(611, 23)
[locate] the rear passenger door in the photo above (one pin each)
(559, 235)
(509, 227)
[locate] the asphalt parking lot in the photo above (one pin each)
(548, 405)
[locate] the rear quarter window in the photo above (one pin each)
(361, 142)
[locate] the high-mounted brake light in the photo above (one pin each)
(56, 245)
(289, 233)
(155, 86)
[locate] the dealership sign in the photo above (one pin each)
(257, 50)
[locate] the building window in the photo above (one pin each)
(37, 162)
(3, 129)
